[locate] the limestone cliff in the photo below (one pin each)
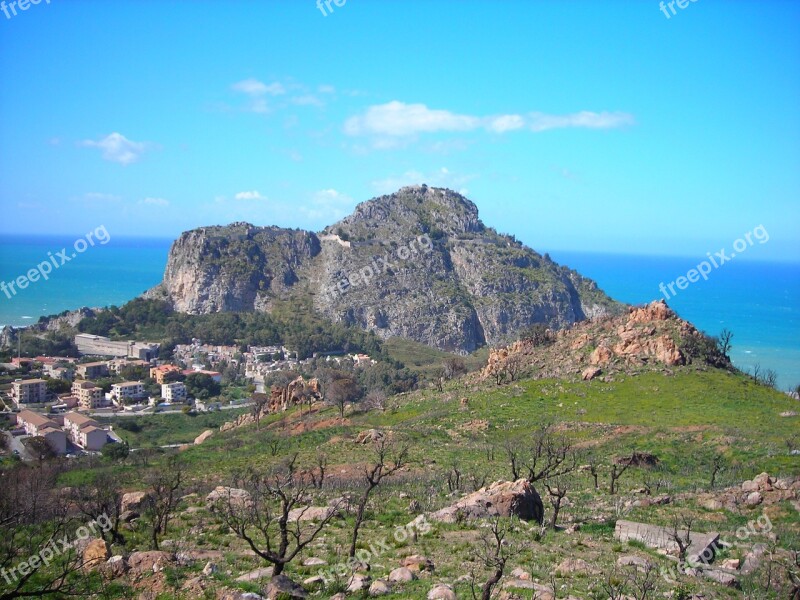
(418, 264)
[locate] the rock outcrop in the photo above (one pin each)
(502, 498)
(418, 264)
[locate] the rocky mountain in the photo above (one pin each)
(418, 263)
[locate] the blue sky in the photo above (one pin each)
(583, 125)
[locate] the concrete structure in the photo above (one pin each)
(92, 370)
(215, 375)
(38, 425)
(160, 372)
(127, 390)
(29, 391)
(117, 364)
(85, 432)
(102, 346)
(173, 392)
(89, 395)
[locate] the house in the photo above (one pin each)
(173, 392)
(92, 370)
(216, 376)
(89, 395)
(117, 364)
(21, 362)
(207, 406)
(85, 432)
(29, 391)
(127, 390)
(56, 372)
(38, 425)
(102, 346)
(160, 372)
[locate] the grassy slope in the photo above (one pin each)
(682, 419)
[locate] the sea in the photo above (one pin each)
(758, 301)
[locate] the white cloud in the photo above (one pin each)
(100, 197)
(397, 119)
(254, 87)
(155, 202)
(584, 119)
(326, 89)
(400, 119)
(252, 195)
(117, 148)
(506, 123)
(308, 100)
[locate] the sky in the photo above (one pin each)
(575, 125)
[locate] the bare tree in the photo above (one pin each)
(681, 534)
(375, 400)
(717, 464)
(103, 497)
(318, 475)
(643, 581)
(260, 402)
(617, 469)
(493, 554)
(262, 519)
(34, 519)
(165, 484)
(514, 366)
(615, 585)
(387, 461)
(454, 367)
(724, 341)
(557, 489)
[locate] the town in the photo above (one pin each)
(51, 401)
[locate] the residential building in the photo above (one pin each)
(29, 391)
(92, 370)
(117, 364)
(57, 372)
(38, 425)
(85, 432)
(89, 395)
(160, 372)
(127, 390)
(173, 392)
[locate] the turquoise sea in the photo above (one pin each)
(758, 301)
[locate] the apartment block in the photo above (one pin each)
(40, 426)
(174, 392)
(29, 391)
(85, 432)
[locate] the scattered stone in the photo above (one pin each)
(379, 588)
(519, 583)
(502, 498)
(128, 516)
(464, 402)
(520, 573)
(575, 565)
(210, 569)
(314, 581)
(725, 579)
(152, 561)
(442, 591)
(731, 564)
(417, 562)
(640, 563)
(313, 561)
(638, 459)
(414, 506)
(753, 499)
(753, 558)
(590, 373)
(713, 504)
(282, 587)
(402, 575)
(370, 435)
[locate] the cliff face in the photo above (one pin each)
(418, 264)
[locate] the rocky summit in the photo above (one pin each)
(418, 264)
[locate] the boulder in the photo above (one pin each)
(379, 588)
(133, 501)
(237, 497)
(311, 513)
(590, 373)
(203, 437)
(256, 575)
(520, 573)
(152, 561)
(313, 561)
(640, 563)
(502, 498)
(210, 569)
(283, 588)
(753, 499)
(95, 553)
(417, 562)
(358, 582)
(721, 577)
(701, 548)
(402, 575)
(370, 435)
(116, 566)
(601, 355)
(442, 591)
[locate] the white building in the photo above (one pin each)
(174, 392)
(127, 390)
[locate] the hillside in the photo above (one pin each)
(417, 264)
